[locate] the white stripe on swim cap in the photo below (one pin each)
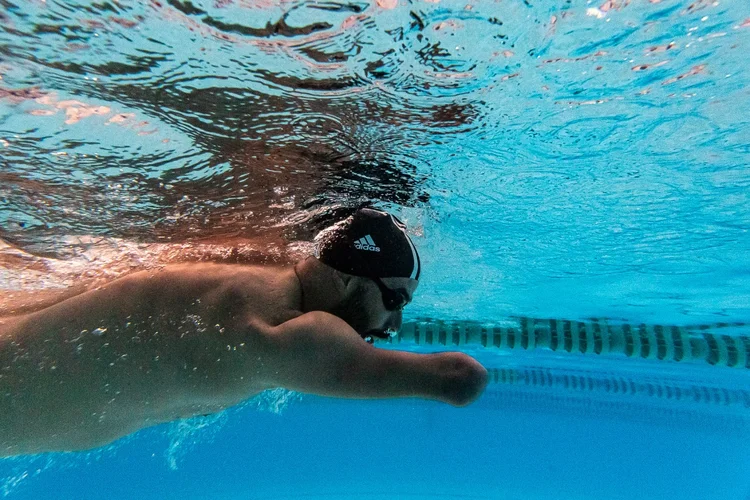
(415, 270)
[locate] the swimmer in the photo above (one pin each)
(193, 339)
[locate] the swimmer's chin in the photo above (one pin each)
(370, 336)
(377, 333)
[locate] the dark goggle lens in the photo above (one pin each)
(392, 300)
(395, 302)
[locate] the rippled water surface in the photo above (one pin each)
(554, 158)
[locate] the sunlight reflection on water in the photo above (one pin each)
(566, 150)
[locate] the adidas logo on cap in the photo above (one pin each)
(366, 243)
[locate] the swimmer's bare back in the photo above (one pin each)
(187, 340)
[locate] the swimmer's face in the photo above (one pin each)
(364, 308)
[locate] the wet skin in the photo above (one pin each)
(194, 339)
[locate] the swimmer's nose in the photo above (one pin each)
(394, 321)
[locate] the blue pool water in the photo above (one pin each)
(573, 161)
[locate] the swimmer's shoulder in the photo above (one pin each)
(265, 286)
(197, 272)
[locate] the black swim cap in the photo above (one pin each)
(370, 243)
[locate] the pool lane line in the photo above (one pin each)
(641, 386)
(668, 343)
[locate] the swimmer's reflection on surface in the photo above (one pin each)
(196, 338)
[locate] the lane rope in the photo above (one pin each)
(692, 344)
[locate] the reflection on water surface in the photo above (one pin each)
(580, 158)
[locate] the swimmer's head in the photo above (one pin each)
(370, 243)
(379, 265)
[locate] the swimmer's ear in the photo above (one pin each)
(347, 280)
(342, 281)
(343, 277)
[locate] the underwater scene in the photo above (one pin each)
(574, 175)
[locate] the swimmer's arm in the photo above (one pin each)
(319, 353)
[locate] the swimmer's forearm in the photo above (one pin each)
(450, 377)
(320, 356)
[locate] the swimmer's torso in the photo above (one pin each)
(148, 348)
